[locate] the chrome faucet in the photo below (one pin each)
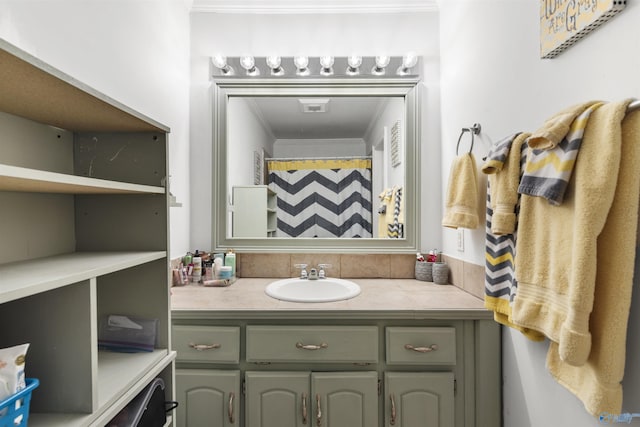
(314, 273)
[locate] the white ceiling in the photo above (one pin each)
(347, 117)
(314, 6)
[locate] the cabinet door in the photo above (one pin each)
(207, 398)
(344, 399)
(277, 399)
(419, 399)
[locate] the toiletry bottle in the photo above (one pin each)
(217, 266)
(197, 269)
(207, 270)
(230, 260)
(187, 259)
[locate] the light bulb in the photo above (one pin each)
(381, 63)
(408, 61)
(301, 63)
(354, 61)
(273, 62)
(249, 64)
(354, 65)
(326, 62)
(220, 62)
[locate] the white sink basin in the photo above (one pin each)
(305, 290)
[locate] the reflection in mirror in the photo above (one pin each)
(315, 164)
(325, 167)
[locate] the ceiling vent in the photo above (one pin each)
(314, 105)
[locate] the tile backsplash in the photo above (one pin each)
(352, 266)
(465, 275)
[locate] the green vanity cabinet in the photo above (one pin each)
(419, 398)
(368, 369)
(328, 399)
(207, 397)
(277, 398)
(345, 399)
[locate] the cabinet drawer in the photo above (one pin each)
(413, 346)
(206, 343)
(351, 344)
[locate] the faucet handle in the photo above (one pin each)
(321, 267)
(303, 270)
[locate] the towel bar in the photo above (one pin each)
(473, 130)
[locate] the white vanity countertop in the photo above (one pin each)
(385, 297)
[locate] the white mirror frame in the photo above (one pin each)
(407, 87)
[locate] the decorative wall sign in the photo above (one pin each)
(258, 167)
(564, 22)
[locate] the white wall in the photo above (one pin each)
(246, 135)
(135, 51)
(312, 35)
(492, 74)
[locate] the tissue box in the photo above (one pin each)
(127, 334)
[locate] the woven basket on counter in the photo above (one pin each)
(424, 271)
(440, 273)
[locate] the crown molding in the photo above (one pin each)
(313, 6)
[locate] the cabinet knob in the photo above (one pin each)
(427, 349)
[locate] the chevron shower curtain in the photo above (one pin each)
(322, 197)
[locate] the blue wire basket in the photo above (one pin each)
(12, 417)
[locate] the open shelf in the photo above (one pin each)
(33, 89)
(118, 373)
(14, 178)
(62, 270)
(122, 377)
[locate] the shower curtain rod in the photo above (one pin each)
(289, 159)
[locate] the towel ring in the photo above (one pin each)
(473, 130)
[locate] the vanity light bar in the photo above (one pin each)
(323, 66)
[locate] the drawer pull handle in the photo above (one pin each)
(392, 421)
(432, 347)
(202, 347)
(311, 346)
(304, 408)
(230, 409)
(319, 411)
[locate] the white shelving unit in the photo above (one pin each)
(83, 234)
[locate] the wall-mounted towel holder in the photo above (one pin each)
(473, 130)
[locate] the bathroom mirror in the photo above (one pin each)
(266, 129)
